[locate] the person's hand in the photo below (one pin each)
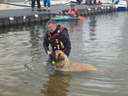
(49, 53)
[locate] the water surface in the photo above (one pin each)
(98, 40)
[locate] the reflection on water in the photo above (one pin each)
(57, 85)
(99, 40)
(36, 44)
(70, 25)
(92, 27)
(73, 25)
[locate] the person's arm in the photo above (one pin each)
(64, 12)
(77, 12)
(66, 42)
(46, 43)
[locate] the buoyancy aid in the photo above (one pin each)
(54, 38)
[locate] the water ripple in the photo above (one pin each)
(99, 41)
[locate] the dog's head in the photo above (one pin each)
(59, 55)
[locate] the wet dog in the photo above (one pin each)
(63, 63)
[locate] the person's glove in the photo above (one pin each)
(49, 53)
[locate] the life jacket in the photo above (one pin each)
(72, 12)
(54, 38)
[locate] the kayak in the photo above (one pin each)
(64, 18)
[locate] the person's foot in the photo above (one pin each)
(32, 9)
(39, 9)
(48, 9)
(44, 9)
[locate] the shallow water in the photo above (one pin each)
(98, 40)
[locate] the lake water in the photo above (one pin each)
(101, 41)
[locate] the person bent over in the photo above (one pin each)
(58, 38)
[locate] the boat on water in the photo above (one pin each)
(64, 18)
(67, 18)
(121, 5)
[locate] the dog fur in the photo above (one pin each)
(64, 64)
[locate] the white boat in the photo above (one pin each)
(121, 5)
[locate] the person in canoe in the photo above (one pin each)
(72, 11)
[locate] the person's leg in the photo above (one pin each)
(33, 4)
(48, 3)
(45, 5)
(45, 1)
(38, 5)
(78, 1)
